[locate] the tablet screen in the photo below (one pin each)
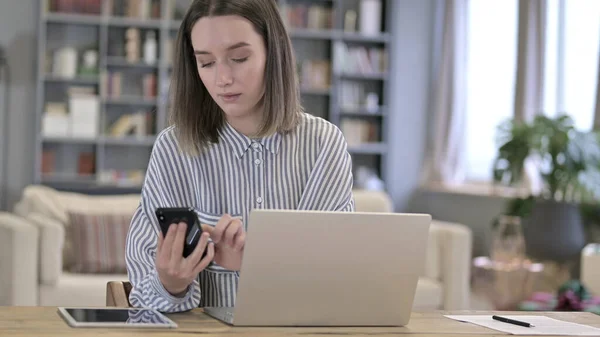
(124, 316)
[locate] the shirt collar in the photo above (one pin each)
(240, 143)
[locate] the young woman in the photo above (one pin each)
(239, 140)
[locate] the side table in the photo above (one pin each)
(505, 285)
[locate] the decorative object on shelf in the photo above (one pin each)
(113, 84)
(141, 9)
(508, 244)
(65, 62)
(567, 163)
(84, 113)
(132, 45)
(55, 124)
(370, 17)
(89, 7)
(89, 65)
(350, 21)
(130, 124)
(307, 16)
(315, 74)
(372, 102)
(149, 87)
(358, 132)
(121, 177)
(86, 165)
(150, 48)
(360, 60)
(48, 162)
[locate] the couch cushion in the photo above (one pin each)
(53, 204)
(98, 242)
(42, 200)
(372, 201)
(78, 290)
(429, 295)
(57, 204)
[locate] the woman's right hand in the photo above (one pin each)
(176, 272)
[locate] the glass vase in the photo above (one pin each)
(508, 243)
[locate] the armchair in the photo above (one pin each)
(18, 261)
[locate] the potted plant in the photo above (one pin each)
(561, 167)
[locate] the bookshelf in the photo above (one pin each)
(101, 100)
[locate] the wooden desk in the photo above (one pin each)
(46, 322)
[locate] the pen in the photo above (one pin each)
(511, 321)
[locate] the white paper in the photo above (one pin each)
(542, 325)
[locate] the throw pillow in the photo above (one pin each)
(98, 242)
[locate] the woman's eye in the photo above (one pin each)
(240, 60)
(206, 65)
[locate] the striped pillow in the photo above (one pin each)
(98, 242)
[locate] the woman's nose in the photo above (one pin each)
(224, 76)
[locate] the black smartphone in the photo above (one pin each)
(174, 215)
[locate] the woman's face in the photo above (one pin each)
(230, 56)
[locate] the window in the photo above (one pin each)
(491, 64)
(571, 71)
(573, 36)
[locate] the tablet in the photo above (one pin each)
(113, 317)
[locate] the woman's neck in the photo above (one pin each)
(247, 125)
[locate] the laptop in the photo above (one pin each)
(317, 268)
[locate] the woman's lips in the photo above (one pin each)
(229, 98)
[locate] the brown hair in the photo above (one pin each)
(196, 117)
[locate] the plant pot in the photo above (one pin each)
(554, 231)
(593, 233)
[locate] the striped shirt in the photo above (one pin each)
(306, 169)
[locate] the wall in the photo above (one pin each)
(414, 26)
(412, 23)
(18, 27)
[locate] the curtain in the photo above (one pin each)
(445, 155)
(529, 91)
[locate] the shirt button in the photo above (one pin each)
(259, 200)
(255, 145)
(257, 161)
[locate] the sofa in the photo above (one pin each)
(35, 244)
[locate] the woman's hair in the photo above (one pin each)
(196, 117)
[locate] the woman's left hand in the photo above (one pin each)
(228, 237)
